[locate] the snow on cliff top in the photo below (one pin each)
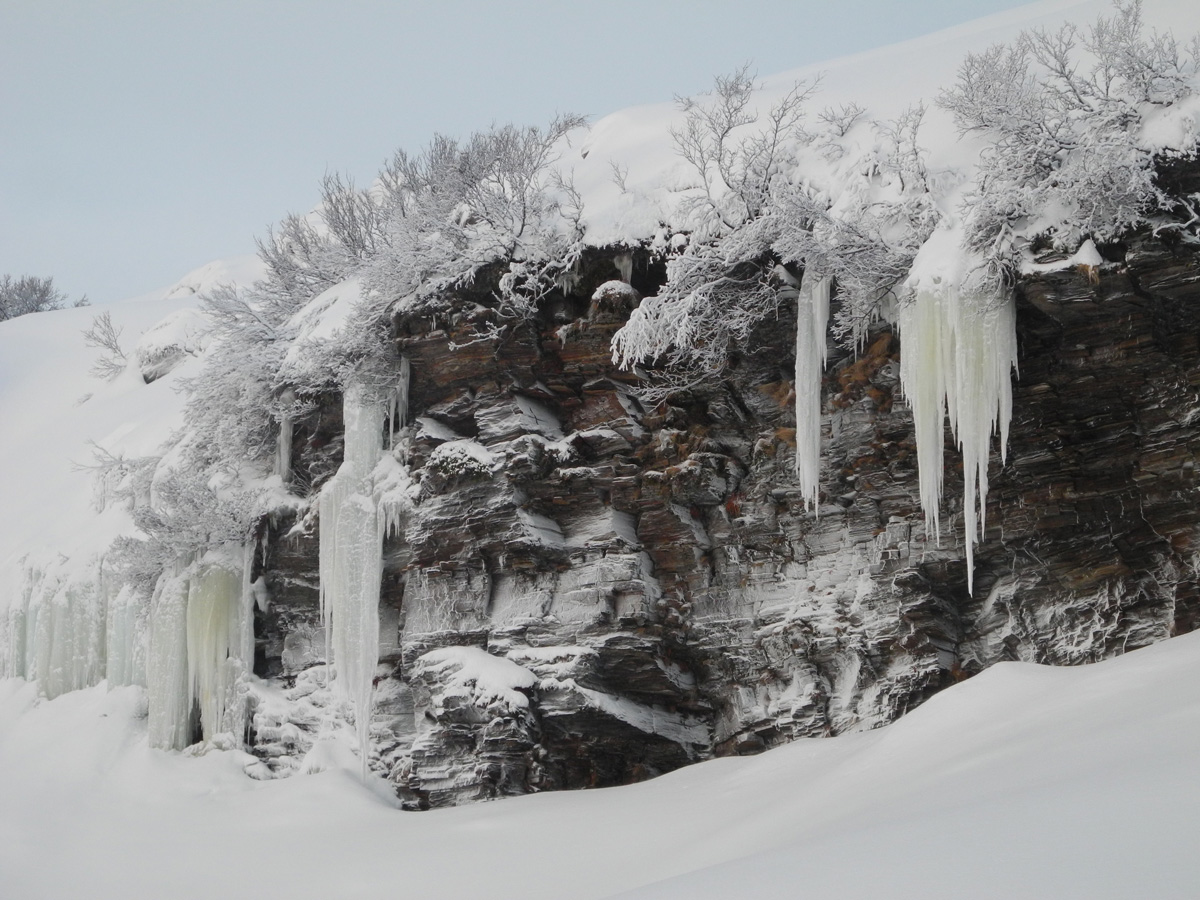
(886, 81)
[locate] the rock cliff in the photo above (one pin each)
(592, 590)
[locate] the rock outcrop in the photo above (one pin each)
(644, 584)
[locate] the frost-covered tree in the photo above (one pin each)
(736, 152)
(492, 200)
(1060, 113)
(425, 229)
(723, 285)
(30, 294)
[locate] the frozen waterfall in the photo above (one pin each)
(201, 648)
(220, 641)
(351, 546)
(167, 692)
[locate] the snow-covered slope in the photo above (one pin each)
(54, 411)
(1024, 782)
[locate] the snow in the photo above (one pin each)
(887, 81)
(460, 455)
(162, 347)
(474, 674)
(1024, 781)
(235, 270)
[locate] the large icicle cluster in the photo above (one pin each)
(58, 631)
(812, 321)
(201, 649)
(220, 643)
(959, 352)
(351, 553)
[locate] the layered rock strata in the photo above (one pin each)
(648, 581)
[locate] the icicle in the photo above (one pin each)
(283, 453)
(351, 558)
(812, 320)
(959, 351)
(397, 413)
(170, 701)
(123, 638)
(624, 264)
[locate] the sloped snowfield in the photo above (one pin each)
(1025, 781)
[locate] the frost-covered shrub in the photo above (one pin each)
(233, 404)
(30, 294)
(1061, 113)
(457, 207)
(775, 224)
(106, 337)
(189, 514)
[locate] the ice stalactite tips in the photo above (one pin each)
(351, 548)
(812, 321)
(958, 354)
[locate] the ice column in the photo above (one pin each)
(56, 630)
(351, 560)
(283, 456)
(67, 630)
(959, 351)
(812, 321)
(398, 401)
(201, 647)
(283, 452)
(124, 637)
(170, 701)
(220, 640)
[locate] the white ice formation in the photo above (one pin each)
(959, 352)
(201, 649)
(283, 451)
(167, 689)
(812, 320)
(351, 546)
(58, 631)
(220, 642)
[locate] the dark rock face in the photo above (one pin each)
(659, 591)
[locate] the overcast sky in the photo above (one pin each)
(139, 140)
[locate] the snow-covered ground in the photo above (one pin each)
(1025, 781)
